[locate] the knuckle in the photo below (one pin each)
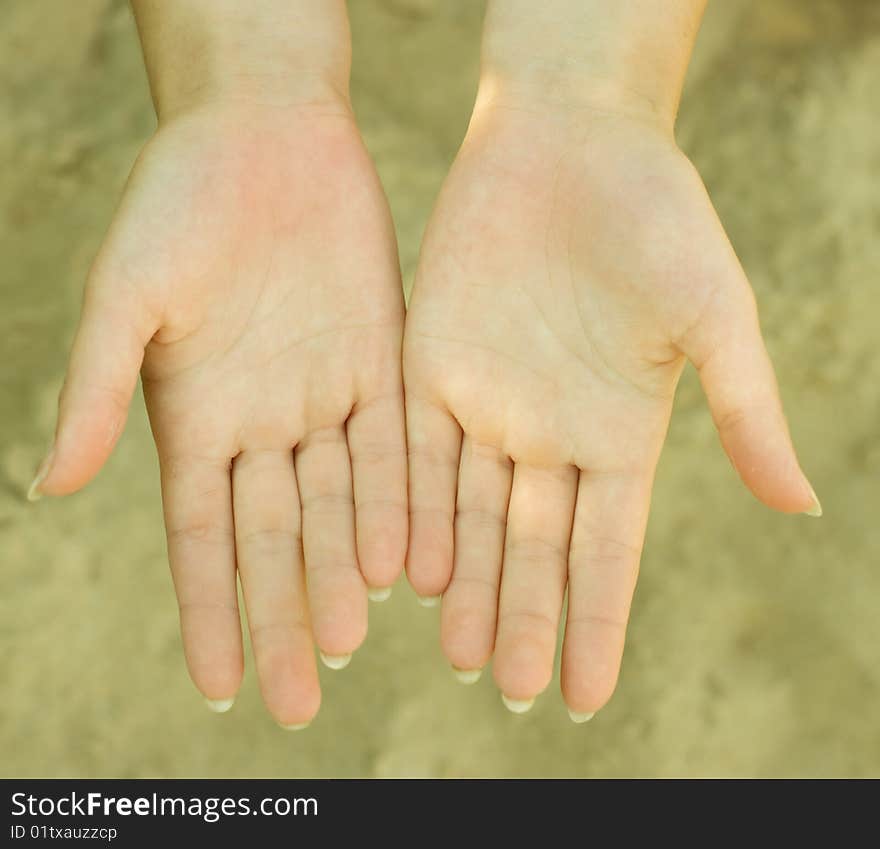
(531, 619)
(327, 502)
(605, 551)
(200, 533)
(270, 539)
(481, 519)
(535, 551)
(266, 633)
(201, 606)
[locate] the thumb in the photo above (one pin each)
(102, 373)
(728, 351)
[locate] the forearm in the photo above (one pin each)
(269, 51)
(598, 52)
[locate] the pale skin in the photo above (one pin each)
(572, 265)
(251, 276)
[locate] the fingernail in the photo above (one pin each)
(580, 717)
(298, 726)
(467, 676)
(335, 661)
(378, 593)
(816, 509)
(220, 705)
(33, 493)
(429, 600)
(517, 705)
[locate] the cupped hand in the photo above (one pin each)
(572, 264)
(251, 275)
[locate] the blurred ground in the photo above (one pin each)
(755, 643)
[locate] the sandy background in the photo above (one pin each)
(755, 643)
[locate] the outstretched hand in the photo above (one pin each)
(571, 266)
(251, 275)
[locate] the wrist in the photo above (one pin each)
(627, 57)
(278, 53)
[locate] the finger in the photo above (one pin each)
(533, 580)
(377, 445)
(270, 563)
(434, 446)
(603, 563)
(337, 593)
(470, 604)
(102, 373)
(737, 376)
(197, 501)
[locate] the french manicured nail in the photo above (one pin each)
(336, 661)
(220, 705)
(297, 726)
(33, 493)
(378, 593)
(816, 509)
(517, 705)
(429, 600)
(580, 717)
(467, 676)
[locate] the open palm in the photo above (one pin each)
(252, 272)
(571, 265)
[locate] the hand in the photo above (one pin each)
(253, 258)
(573, 262)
